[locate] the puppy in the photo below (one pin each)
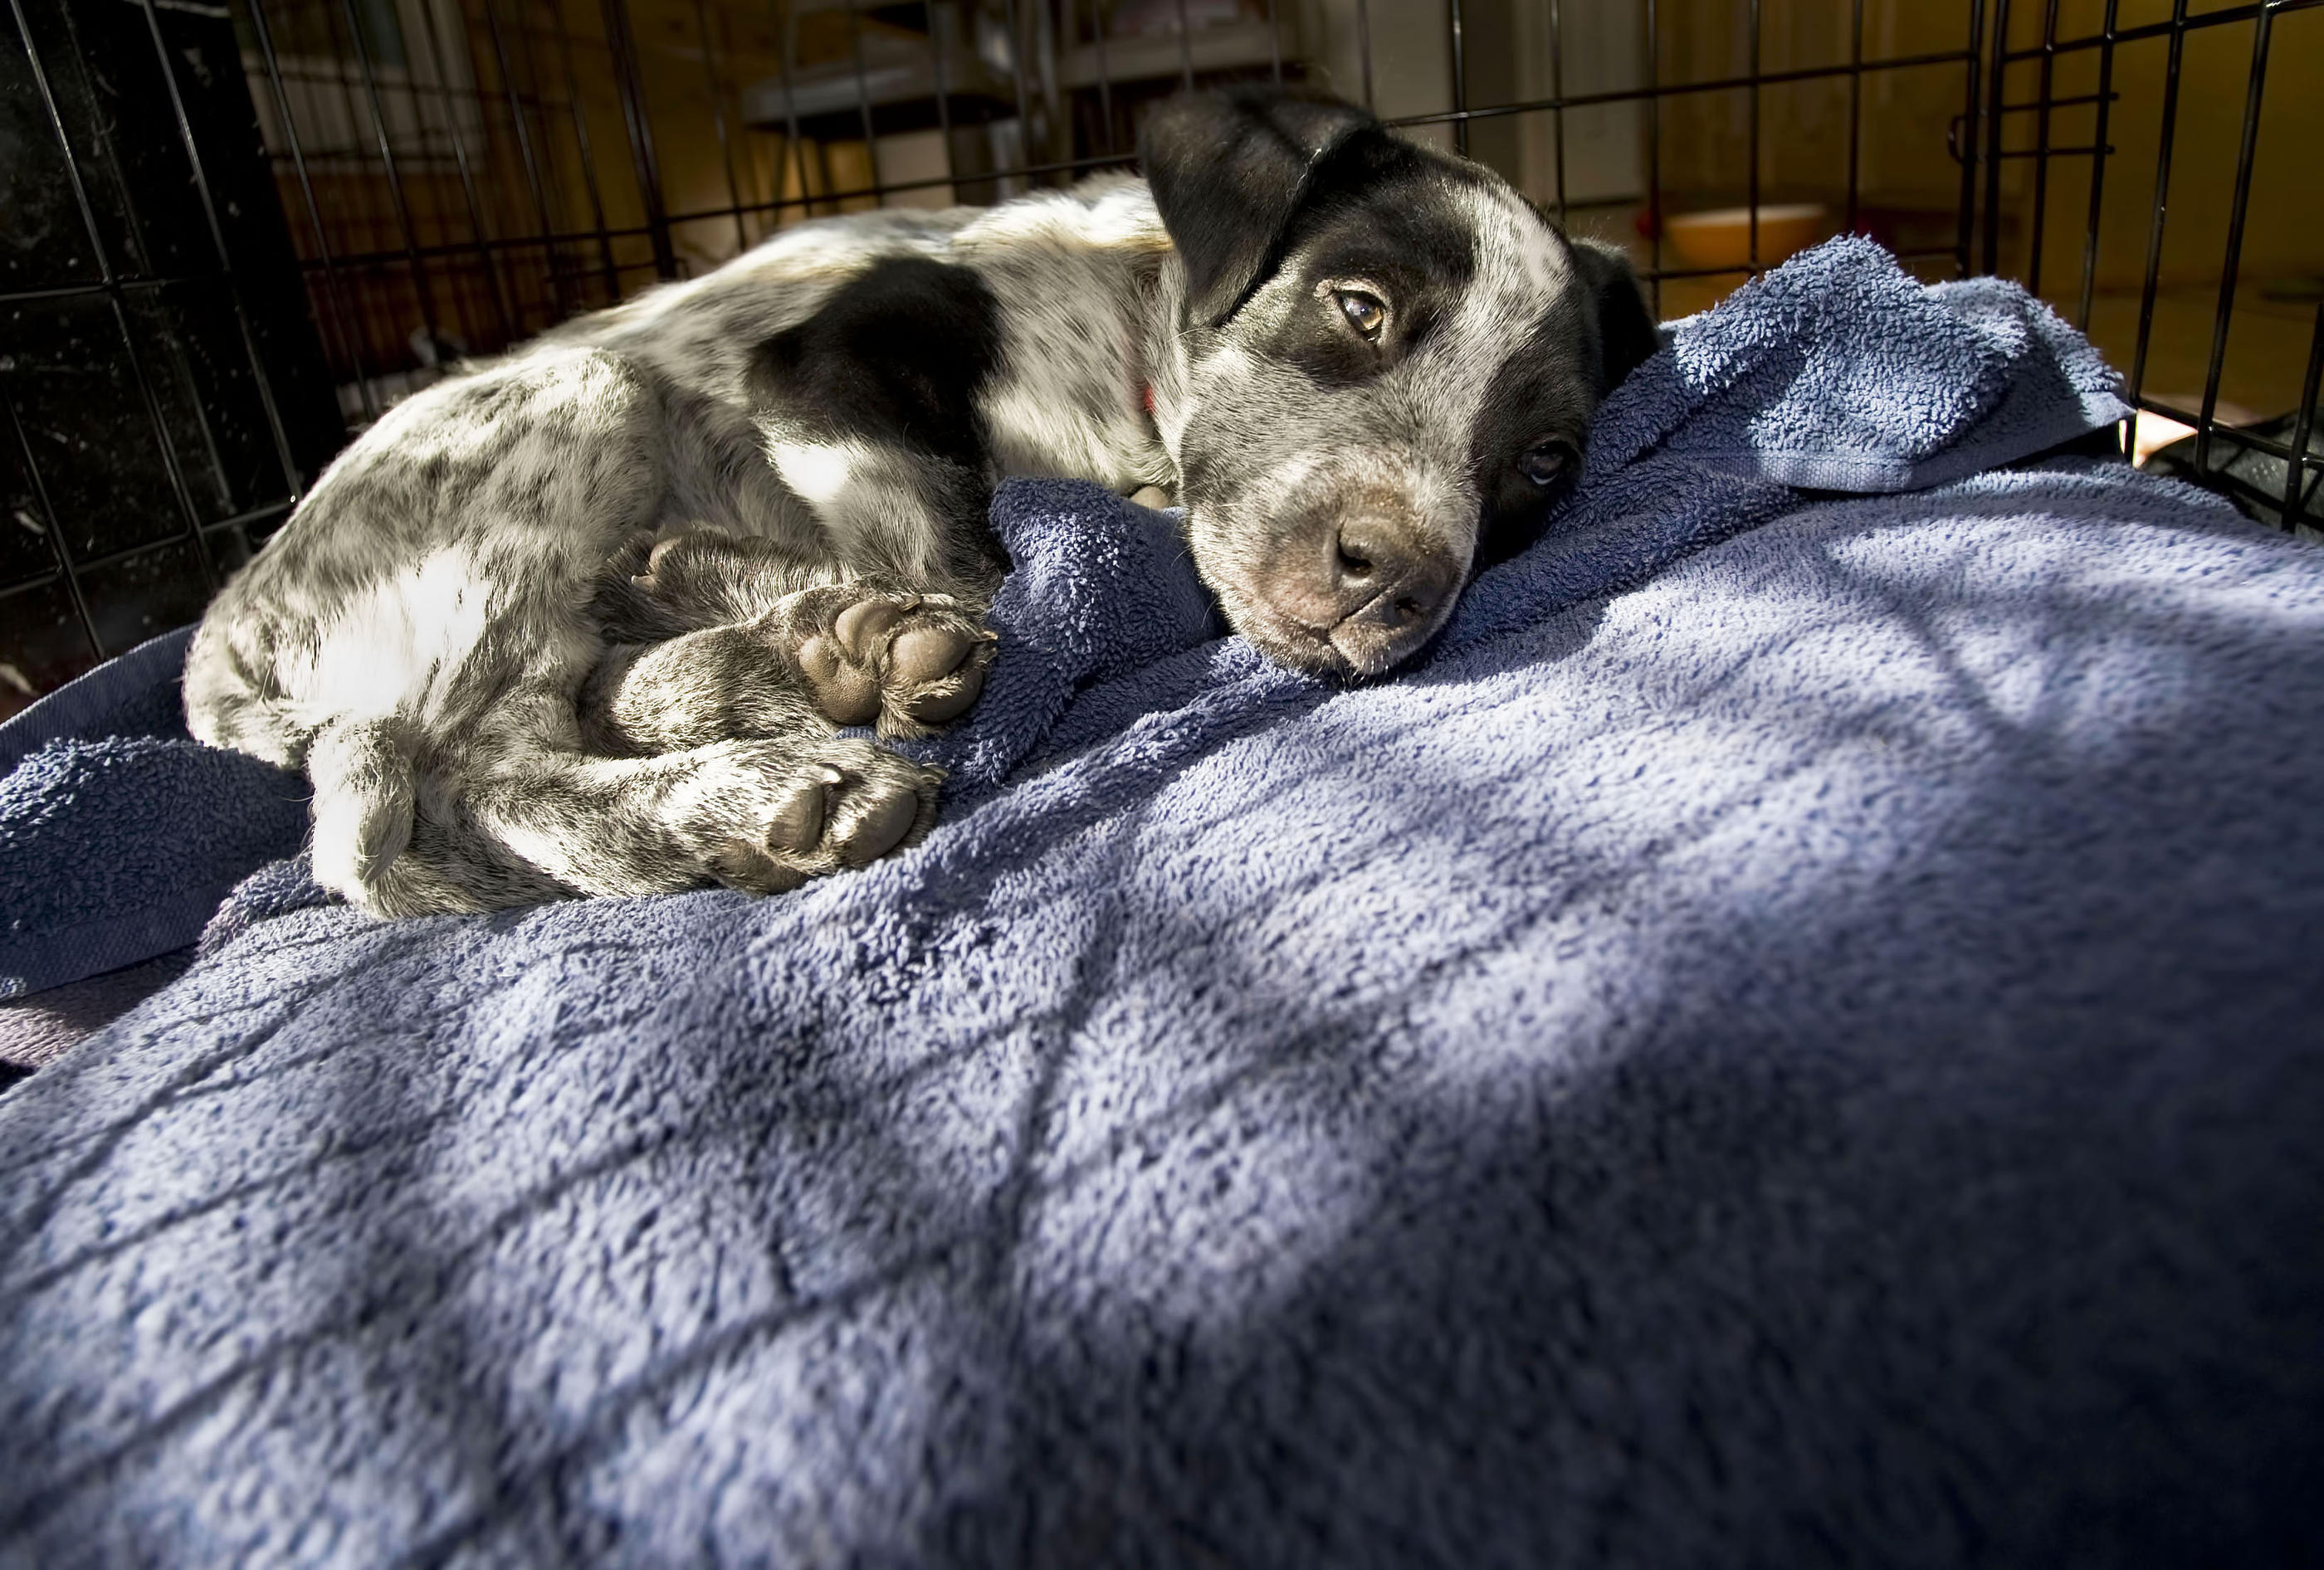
(1363, 367)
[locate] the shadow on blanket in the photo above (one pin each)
(1805, 1053)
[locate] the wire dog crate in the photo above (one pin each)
(234, 232)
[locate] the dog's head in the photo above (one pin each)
(1387, 363)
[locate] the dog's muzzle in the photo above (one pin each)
(1372, 586)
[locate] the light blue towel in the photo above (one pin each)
(1792, 1038)
(1837, 371)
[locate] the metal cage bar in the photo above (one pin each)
(527, 159)
(2166, 137)
(2042, 149)
(1993, 142)
(608, 269)
(2181, 21)
(2298, 460)
(623, 44)
(1653, 119)
(346, 323)
(148, 400)
(1557, 91)
(1459, 45)
(1985, 130)
(717, 92)
(293, 482)
(1965, 220)
(2105, 99)
(1855, 110)
(792, 153)
(492, 279)
(1105, 72)
(1680, 89)
(68, 571)
(2231, 264)
(421, 283)
(864, 86)
(1751, 169)
(937, 74)
(2216, 450)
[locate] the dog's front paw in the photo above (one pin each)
(775, 813)
(905, 663)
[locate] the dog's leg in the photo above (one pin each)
(868, 412)
(776, 647)
(760, 814)
(865, 412)
(452, 863)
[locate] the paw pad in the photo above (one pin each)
(768, 818)
(902, 662)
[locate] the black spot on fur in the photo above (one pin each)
(898, 354)
(1535, 397)
(1627, 333)
(1387, 217)
(1231, 171)
(1602, 332)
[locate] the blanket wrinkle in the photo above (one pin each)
(1782, 962)
(1060, 616)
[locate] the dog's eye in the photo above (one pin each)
(1545, 464)
(1364, 312)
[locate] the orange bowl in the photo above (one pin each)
(1722, 236)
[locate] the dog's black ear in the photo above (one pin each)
(1229, 169)
(1627, 333)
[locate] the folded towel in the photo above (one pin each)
(134, 695)
(1837, 371)
(118, 849)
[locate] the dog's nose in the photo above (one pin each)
(1380, 570)
(1387, 584)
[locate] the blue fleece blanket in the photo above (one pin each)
(1793, 1037)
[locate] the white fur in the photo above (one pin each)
(818, 470)
(393, 647)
